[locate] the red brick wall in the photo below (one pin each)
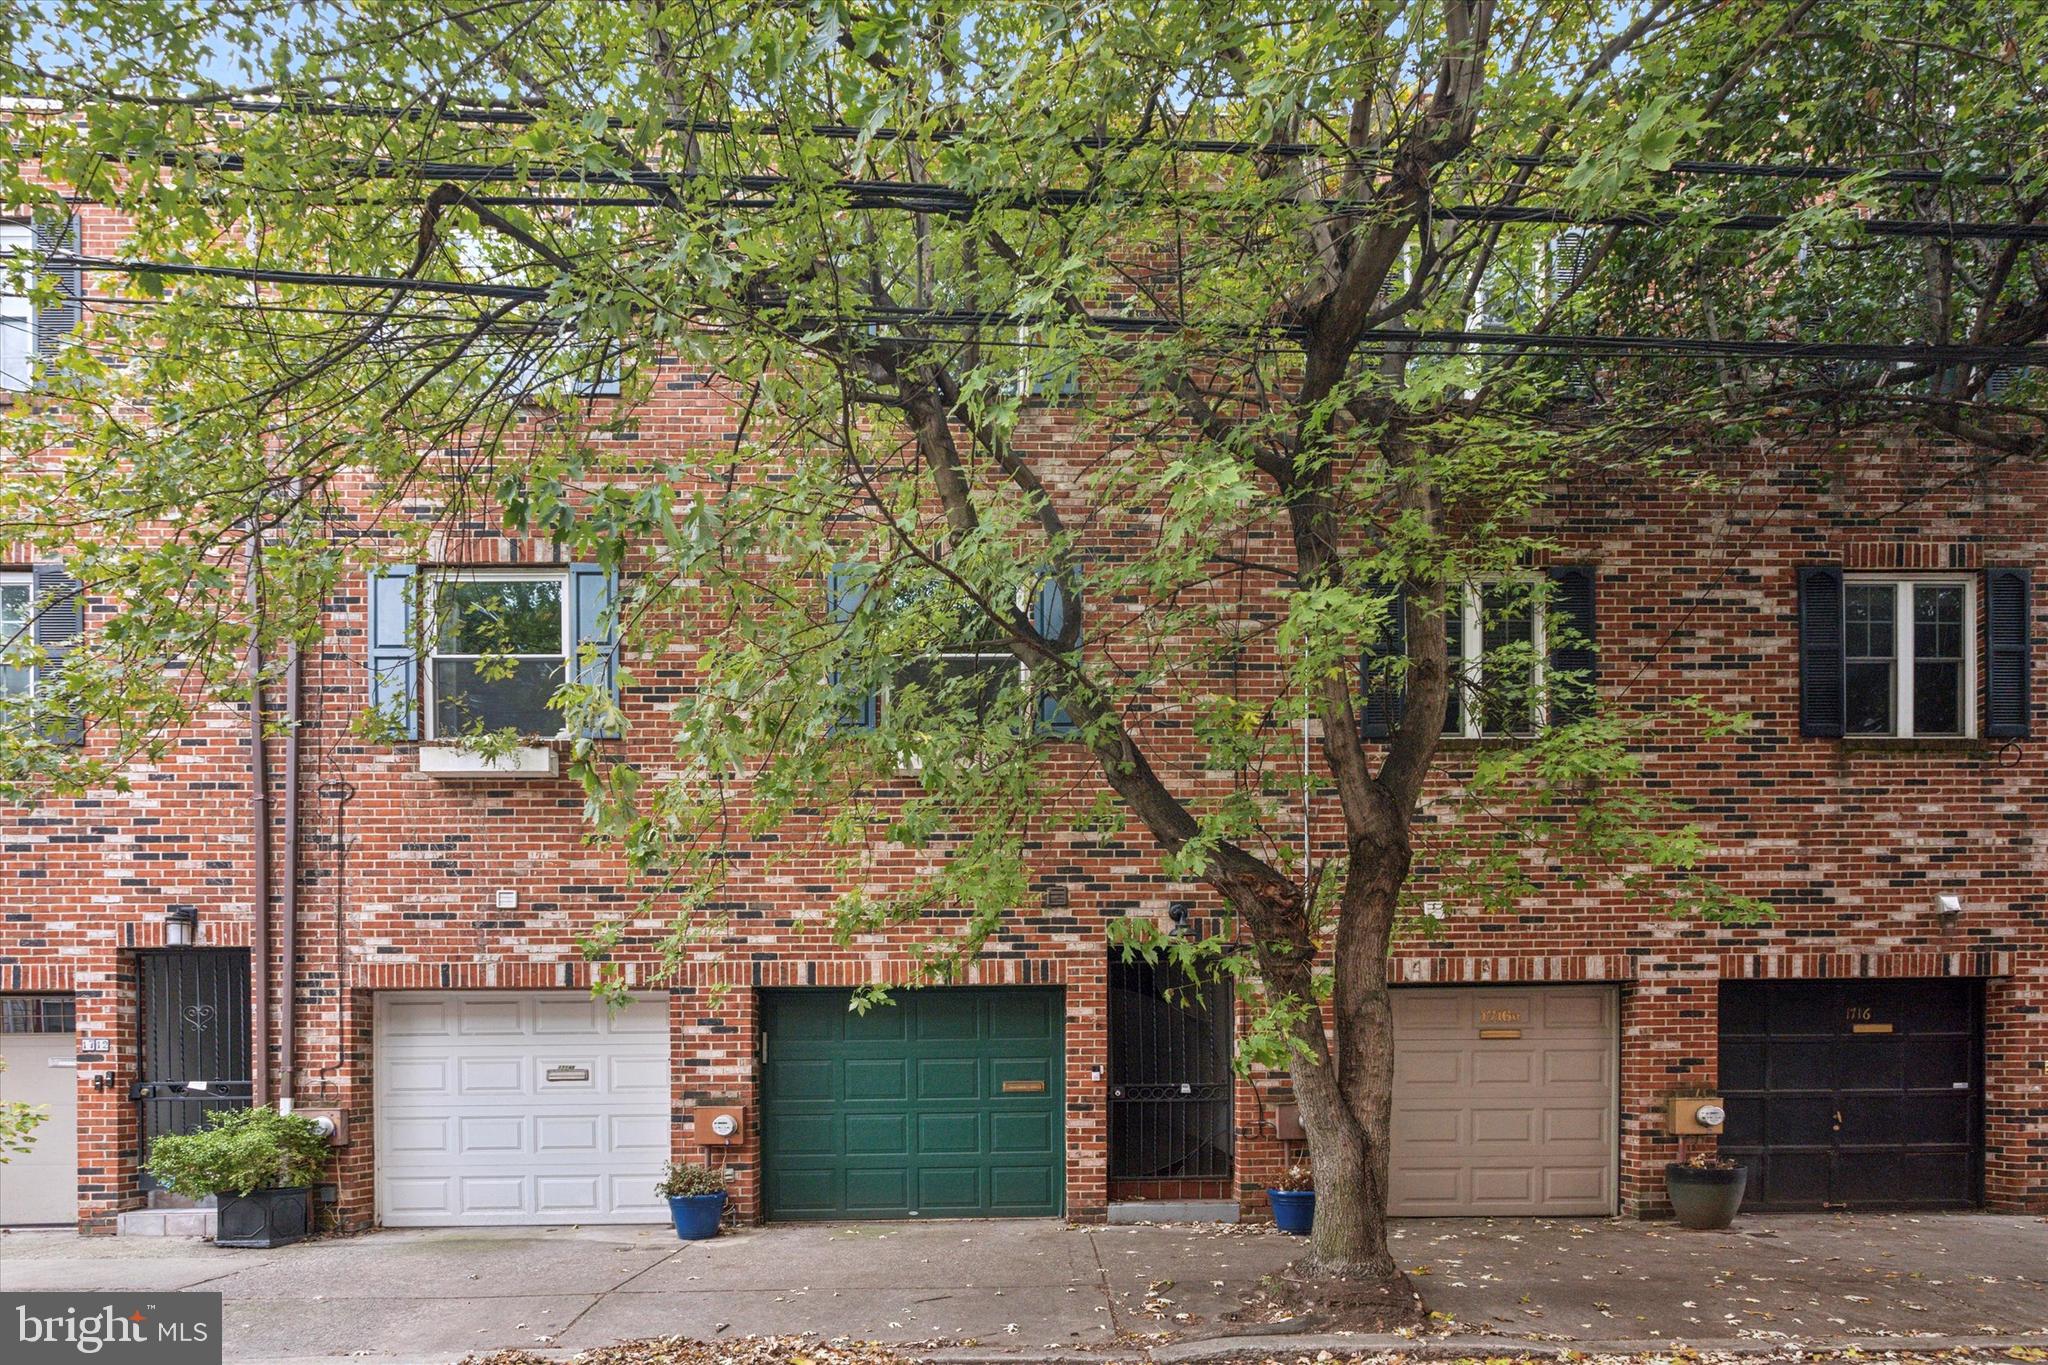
(1853, 841)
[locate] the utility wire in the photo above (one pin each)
(941, 200)
(1137, 324)
(516, 117)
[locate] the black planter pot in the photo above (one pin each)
(1703, 1197)
(263, 1218)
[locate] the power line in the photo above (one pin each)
(1140, 324)
(515, 117)
(941, 200)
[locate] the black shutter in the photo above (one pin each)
(1385, 691)
(56, 321)
(1569, 628)
(2009, 640)
(1822, 678)
(59, 607)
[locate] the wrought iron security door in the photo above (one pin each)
(195, 1038)
(1169, 1074)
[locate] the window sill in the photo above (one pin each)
(1918, 744)
(1479, 744)
(455, 762)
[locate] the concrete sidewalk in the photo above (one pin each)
(1038, 1287)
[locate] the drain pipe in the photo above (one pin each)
(259, 830)
(288, 889)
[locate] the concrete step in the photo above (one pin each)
(166, 1223)
(1174, 1211)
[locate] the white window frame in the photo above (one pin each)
(886, 693)
(17, 249)
(1469, 678)
(432, 642)
(1903, 654)
(13, 578)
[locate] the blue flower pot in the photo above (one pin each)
(696, 1216)
(1293, 1210)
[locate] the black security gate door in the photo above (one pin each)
(1854, 1094)
(1169, 1075)
(195, 1031)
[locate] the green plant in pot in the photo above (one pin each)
(696, 1199)
(1706, 1190)
(258, 1164)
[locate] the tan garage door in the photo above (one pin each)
(1504, 1101)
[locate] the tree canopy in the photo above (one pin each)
(1165, 358)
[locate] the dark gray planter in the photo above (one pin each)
(263, 1218)
(1703, 1197)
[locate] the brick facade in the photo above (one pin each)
(1853, 841)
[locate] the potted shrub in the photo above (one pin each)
(1293, 1197)
(259, 1166)
(1706, 1190)
(696, 1200)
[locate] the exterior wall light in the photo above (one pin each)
(181, 926)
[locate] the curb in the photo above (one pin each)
(1464, 1348)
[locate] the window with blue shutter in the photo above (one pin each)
(57, 244)
(1823, 702)
(2008, 662)
(1053, 604)
(1574, 664)
(393, 658)
(594, 631)
(59, 605)
(1380, 681)
(844, 590)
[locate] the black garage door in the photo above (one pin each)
(1854, 1094)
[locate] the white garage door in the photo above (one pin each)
(1504, 1101)
(520, 1107)
(39, 1066)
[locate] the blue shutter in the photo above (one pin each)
(1823, 678)
(843, 594)
(2008, 663)
(393, 659)
(1386, 696)
(1049, 607)
(594, 626)
(59, 606)
(56, 321)
(1570, 611)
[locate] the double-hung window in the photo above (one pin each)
(17, 616)
(17, 312)
(1494, 643)
(1909, 668)
(962, 661)
(498, 650)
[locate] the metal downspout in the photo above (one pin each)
(259, 830)
(288, 891)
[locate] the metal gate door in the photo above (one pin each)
(1169, 1074)
(195, 1038)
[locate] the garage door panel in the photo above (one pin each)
(554, 1134)
(1425, 1065)
(40, 1185)
(491, 1018)
(1495, 1126)
(475, 1076)
(1016, 1073)
(1013, 1134)
(949, 1189)
(1030, 1019)
(804, 1191)
(1021, 1187)
(1519, 1122)
(1492, 1067)
(804, 1135)
(949, 1078)
(876, 1189)
(496, 1142)
(881, 1024)
(877, 1135)
(887, 1079)
(481, 1135)
(802, 1080)
(566, 1018)
(949, 1134)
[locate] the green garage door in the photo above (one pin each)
(945, 1104)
